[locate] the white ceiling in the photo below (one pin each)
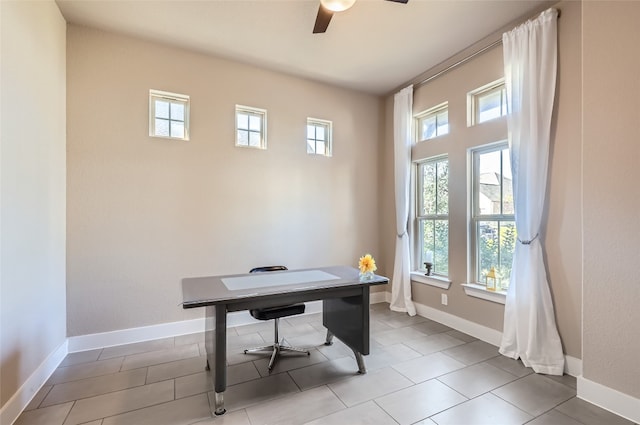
(374, 47)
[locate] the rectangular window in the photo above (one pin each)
(487, 103)
(168, 115)
(433, 214)
(251, 127)
(493, 220)
(319, 137)
(433, 122)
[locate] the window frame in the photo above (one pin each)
(328, 141)
(170, 98)
(262, 132)
(429, 113)
(419, 217)
(476, 217)
(473, 100)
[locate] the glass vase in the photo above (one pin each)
(366, 276)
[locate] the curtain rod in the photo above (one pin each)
(465, 59)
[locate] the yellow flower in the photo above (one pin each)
(367, 264)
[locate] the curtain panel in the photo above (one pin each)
(530, 60)
(402, 121)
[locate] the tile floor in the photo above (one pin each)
(419, 372)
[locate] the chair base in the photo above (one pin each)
(276, 349)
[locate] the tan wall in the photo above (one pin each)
(32, 290)
(562, 231)
(611, 196)
(143, 212)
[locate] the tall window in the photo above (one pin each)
(251, 127)
(168, 115)
(433, 122)
(487, 103)
(493, 220)
(318, 137)
(433, 214)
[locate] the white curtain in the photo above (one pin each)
(530, 60)
(402, 119)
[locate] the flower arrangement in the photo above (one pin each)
(367, 266)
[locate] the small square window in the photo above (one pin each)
(319, 137)
(168, 115)
(487, 103)
(433, 122)
(251, 127)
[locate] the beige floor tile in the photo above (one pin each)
(371, 385)
(85, 370)
(53, 415)
(484, 410)
(568, 380)
(472, 352)
(430, 327)
(247, 394)
(428, 367)
(420, 401)
(461, 336)
(304, 318)
(178, 412)
(119, 402)
(367, 413)
(135, 348)
(381, 357)
(37, 399)
(337, 350)
(403, 320)
(91, 387)
(158, 357)
(589, 414)
(260, 326)
(313, 339)
(478, 379)
(427, 422)
(396, 336)
(176, 369)
(296, 409)
(433, 343)
(514, 367)
(553, 417)
(535, 394)
(289, 332)
(244, 341)
(195, 338)
(202, 382)
(324, 373)
(81, 357)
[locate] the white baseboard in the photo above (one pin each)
(609, 399)
(163, 330)
(572, 365)
(481, 332)
(21, 399)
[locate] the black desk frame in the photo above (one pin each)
(345, 314)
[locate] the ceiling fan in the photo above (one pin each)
(328, 7)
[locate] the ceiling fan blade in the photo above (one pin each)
(400, 1)
(322, 20)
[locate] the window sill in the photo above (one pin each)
(479, 291)
(437, 281)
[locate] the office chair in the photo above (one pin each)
(275, 313)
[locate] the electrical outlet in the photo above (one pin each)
(444, 300)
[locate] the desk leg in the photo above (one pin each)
(348, 319)
(216, 346)
(329, 340)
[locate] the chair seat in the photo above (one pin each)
(277, 312)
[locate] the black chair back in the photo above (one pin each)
(267, 269)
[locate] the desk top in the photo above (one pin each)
(211, 290)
